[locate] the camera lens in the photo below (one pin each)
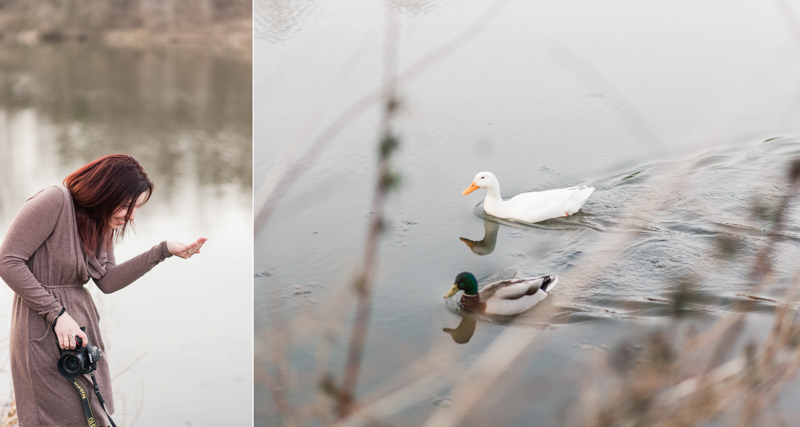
(71, 365)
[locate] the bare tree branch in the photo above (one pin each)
(275, 193)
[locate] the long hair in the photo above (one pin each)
(99, 189)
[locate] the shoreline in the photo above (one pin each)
(232, 36)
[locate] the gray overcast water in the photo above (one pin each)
(665, 107)
(186, 115)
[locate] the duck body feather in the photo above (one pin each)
(505, 297)
(529, 207)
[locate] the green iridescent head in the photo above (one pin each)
(465, 282)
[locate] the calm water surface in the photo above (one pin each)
(178, 340)
(683, 116)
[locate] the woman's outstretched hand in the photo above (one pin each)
(185, 251)
(66, 330)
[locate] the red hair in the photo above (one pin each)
(101, 188)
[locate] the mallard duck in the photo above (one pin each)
(505, 297)
(529, 207)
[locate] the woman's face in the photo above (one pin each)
(118, 217)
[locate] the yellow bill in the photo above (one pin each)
(469, 243)
(452, 292)
(470, 189)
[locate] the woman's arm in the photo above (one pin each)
(117, 277)
(32, 225)
(120, 276)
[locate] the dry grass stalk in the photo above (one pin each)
(661, 390)
(10, 416)
(407, 388)
(493, 362)
(386, 181)
(344, 394)
(675, 384)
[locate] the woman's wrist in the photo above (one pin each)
(63, 310)
(165, 252)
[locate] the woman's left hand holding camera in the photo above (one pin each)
(67, 329)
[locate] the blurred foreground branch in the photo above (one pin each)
(681, 377)
(276, 185)
(387, 180)
(710, 374)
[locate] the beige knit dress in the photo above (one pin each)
(42, 260)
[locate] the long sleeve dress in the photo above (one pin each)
(42, 260)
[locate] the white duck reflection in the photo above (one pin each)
(485, 246)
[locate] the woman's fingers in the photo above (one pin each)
(84, 337)
(69, 341)
(186, 251)
(194, 248)
(198, 244)
(190, 250)
(67, 331)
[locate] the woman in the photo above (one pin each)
(61, 237)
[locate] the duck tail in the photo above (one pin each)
(583, 193)
(548, 283)
(578, 199)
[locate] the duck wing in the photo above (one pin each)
(513, 288)
(543, 198)
(511, 297)
(542, 205)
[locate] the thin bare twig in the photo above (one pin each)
(130, 365)
(284, 409)
(480, 378)
(440, 375)
(487, 369)
(629, 115)
(273, 197)
(364, 282)
(303, 133)
(756, 377)
(762, 263)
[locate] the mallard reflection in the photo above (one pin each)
(485, 246)
(464, 331)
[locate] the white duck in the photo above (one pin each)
(529, 207)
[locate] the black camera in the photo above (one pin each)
(82, 360)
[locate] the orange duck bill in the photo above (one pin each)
(470, 189)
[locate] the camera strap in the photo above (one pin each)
(102, 402)
(87, 407)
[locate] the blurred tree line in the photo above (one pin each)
(55, 20)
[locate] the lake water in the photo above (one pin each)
(179, 339)
(684, 116)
